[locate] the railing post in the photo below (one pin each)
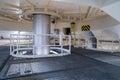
(34, 44)
(54, 40)
(18, 40)
(13, 42)
(61, 38)
(112, 46)
(10, 44)
(69, 43)
(17, 44)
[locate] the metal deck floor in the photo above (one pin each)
(4, 54)
(108, 57)
(72, 67)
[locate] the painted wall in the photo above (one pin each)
(113, 10)
(13, 26)
(106, 26)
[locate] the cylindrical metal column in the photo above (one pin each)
(41, 26)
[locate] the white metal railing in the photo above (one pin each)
(20, 42)
(24, 42)
(112, 45)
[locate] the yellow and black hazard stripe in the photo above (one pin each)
(85, 28)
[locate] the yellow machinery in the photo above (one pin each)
(73, 31)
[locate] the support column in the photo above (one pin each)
(41, 25)
(73, 29)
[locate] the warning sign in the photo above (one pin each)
(85, 28)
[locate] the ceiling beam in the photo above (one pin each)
(93, 18)
(6, 15)
(31, 4)
(97, 11)
(6, 18)
(13, 6)
(88, 11)
(73, 12)
(47, 5)
(12, 20)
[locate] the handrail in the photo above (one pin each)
(111, 45)
(18, 44)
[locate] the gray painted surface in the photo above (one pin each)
(4, 53)
(71, 67)
(108, 57)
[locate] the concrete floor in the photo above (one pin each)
(72, 67)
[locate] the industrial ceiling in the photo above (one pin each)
(61, 10)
